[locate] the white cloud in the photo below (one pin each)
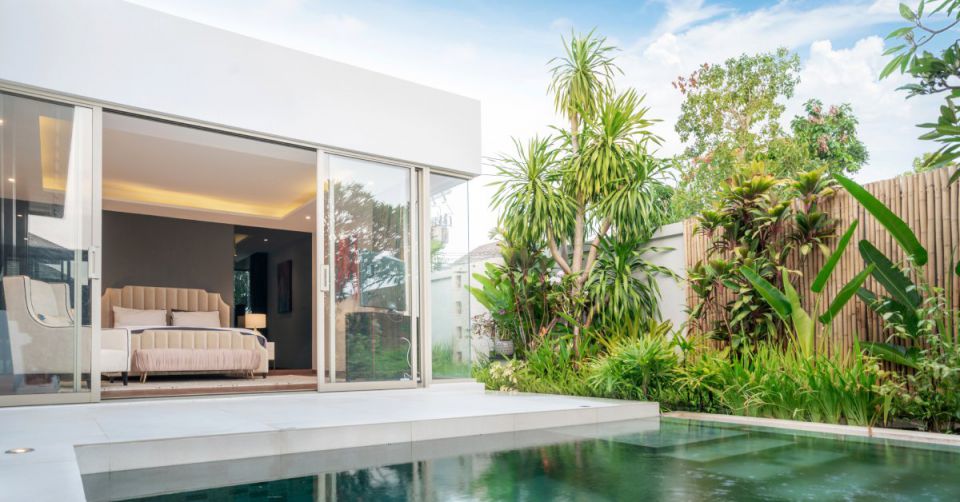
(681, 14)
(561, 24)
(887, 120)
(664, 50)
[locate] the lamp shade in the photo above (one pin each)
(255, 321)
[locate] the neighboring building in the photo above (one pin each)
(145, 159)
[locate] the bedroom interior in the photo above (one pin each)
(209, 282)
(197, 225)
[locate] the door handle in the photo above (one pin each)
(93, 262)
(325, 278)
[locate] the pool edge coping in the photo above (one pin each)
(103, 457)
(934, 438)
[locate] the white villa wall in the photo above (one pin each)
(673, 300)
(115, 52)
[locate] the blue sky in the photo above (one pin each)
(496, 51)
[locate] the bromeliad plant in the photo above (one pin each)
(758, 222)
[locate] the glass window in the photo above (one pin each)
(44, 166)
(449, 263)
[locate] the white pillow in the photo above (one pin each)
(196, 319)
(128, 318)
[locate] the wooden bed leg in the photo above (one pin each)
(125, 377)
(143, 377)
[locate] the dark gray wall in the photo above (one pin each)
(292, 331)
(140, 250)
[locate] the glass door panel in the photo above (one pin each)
(449, 277)
(45, 230)
(371, 237)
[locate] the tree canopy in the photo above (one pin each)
(732, 115)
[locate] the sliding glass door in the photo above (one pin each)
(46, 230)
(371, 237)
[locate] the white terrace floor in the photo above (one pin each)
(70, 440)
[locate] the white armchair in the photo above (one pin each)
(41, 327)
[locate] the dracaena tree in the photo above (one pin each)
(592, 187)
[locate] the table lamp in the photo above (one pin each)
(255, 321)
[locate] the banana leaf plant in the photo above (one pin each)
(902, 306)
(788, 305)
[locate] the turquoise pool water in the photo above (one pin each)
(665, 459)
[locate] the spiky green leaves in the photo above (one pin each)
(609, 145)
(583, 76)
(529, 196)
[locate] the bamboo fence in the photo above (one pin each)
(925, 201)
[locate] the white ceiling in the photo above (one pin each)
(153, 167)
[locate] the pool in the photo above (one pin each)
(650, 459)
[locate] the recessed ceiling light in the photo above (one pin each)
(308, 216)
(18, 451)
(1, 121)
(265, 240)
(12, 180)
(19, 216)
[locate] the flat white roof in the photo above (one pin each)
(124, 54)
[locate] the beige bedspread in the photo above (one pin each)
(159, 360)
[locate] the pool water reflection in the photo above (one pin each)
(652, 459)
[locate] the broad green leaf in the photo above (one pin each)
(900, 287)
(831, 263)
(897, 228)
(845, 294)
(770, 294)
(885, 307)
(906, 13)
(803, 325)
(893, 353)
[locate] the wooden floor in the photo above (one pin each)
(196, 385)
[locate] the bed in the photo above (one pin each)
(158, 348)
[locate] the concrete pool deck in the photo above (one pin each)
(72, 440)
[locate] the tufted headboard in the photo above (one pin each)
(169, 299)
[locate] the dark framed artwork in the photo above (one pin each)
(285, 287)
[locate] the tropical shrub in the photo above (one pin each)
(501, 376)
(787, 383)
(639, 367)
(519, 295)
(924, 325)
(757, 223)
